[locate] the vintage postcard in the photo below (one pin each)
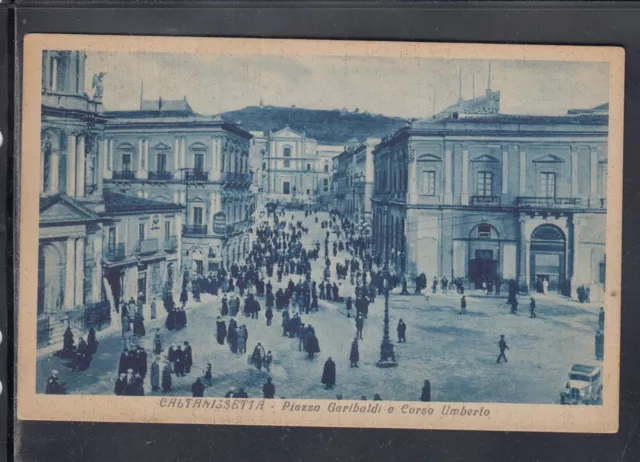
(320, 233)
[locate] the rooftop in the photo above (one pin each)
(122, 203)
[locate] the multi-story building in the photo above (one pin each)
(354, 179)
(257, 164)
(296, 169)
(82, 228)
(480, 195)
(166, 152)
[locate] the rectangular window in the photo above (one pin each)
(111, 243)
(126, 162)
(287, 163)
(548, 185)
(167, 229)
(485, 184)
(197, 215)
(308, 167)
(264, 166)
(286, 187)
(603, 273)
(198, 162)
(162, 162)
(325, 184)
(604, 181)
(142, 227)
(429, 183)
(308, 192)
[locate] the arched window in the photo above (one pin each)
(326, 168)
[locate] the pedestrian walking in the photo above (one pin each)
(155, 374)
(502, 344)
(401, 329)
(601, 318)
(329, 374)
(532, 308)
(463, 305)
(354, 355)
(359, 326)
(197, 389)
(154, 308)
(268, 389)
(188, 357)
(425, 396)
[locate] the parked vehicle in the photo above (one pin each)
(584, 385)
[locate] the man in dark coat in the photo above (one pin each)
(312, 345)
(124, 362)
(197, 389)
(359, 326)
(221, 331)
(121, 384)
(141, 357)
(54, 386)
(402, 329)
(188, 357)
(599, 345)
(426, 392)
(502, 344)
(179, 367)
(354, 355)
(532, 308)
(269, 315)
(329, 374)
(269, 389)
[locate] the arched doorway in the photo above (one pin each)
(50, 280)
(484, 255)
(548, 251)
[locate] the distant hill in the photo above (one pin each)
(334, 127)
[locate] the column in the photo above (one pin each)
(448, 176)
(213, 170)
(80, 155)
(145, 158)
(42, 188)
(71, 165)
(505, 171)
(178, 233)
(413, 172)
(96, 287)
(523, 249)
(593, 191)
(139, 160)
(176, 156)
(104, 156)
(212, 210)
(45, 70)
(70, 275)
(54, 171)
(183, 153)
(54, 80)
(110, 156)
(100, 168)
(574, 171)
(523, 171)
(79, 271)
(464, 200)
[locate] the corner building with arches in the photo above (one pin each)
(475, 194)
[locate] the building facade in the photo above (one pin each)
(166, 152)
(296, 169)
(480, 195)
(354, 180)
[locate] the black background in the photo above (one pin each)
(531, 22)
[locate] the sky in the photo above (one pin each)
(404, 87)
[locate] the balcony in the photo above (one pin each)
(192, 230)
(123, 175)
(171, 244)
(236, 178)
(195, 175)
(160, 176)
(115, 252)
(148, 246)
(549, 202)
(485, 200)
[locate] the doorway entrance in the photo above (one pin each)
(548, 251)
(483, 268)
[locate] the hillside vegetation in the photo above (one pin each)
(334, 127)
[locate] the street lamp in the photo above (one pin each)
(387, 356)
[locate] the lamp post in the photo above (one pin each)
(387, 356)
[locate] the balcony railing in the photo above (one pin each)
(123, 175)
(548, 201)
(194, 229)
(116, 252)
(597, 203)
(234, 177)
(160, 176)
(171, 244)
(195, 175)
(485, 200)
(148, 246)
